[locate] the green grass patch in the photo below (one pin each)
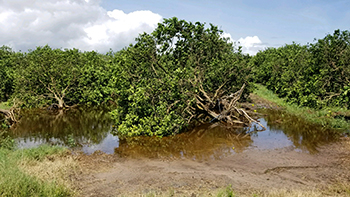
(15, 182)
(6, 142)
(227, 192)
(330, 117)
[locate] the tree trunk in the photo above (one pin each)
(60, 104)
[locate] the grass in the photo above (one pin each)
(227, 192)
(338, 190)
(330, 117)
(33, 172)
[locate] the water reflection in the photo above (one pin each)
(303, 135)
(90, 129)
(76, 127)
(204, 142)
(270, 138)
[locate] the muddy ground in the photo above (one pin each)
(252, 170)
(248, 172)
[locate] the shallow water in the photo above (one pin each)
(89, 130)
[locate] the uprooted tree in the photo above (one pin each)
(181, 73)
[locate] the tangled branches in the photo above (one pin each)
(221, 107)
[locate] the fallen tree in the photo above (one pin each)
(222, 108)
(180, 75)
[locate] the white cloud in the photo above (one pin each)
(81, 24)
(250, 44)
(227, 35)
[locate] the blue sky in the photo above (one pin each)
(104, 24)
(275, 22)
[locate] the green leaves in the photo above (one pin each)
(152, 83)
(159, 76)
(313, 76)
(8, 61)
(46, 76)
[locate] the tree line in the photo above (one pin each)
(154, 84)
(315, 75)
(172, 76)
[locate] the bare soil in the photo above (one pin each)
(107, 175)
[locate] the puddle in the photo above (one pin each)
(86, 128)
(303, 135)
(89, 130)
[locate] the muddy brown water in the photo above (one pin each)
(90, 130)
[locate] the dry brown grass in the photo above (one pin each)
(291, 193)
(337, 190)
(61, 168)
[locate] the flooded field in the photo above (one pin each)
(289, 155)
(90, 130)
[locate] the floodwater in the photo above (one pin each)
(90, 130)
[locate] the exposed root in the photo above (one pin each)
(222, 108)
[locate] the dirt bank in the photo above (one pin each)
(251, 170)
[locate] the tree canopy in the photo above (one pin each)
(8, 61)
(49, 76)
(179, 74)
(161, 75)
(314, 75)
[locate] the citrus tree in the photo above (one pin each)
(8, 61)
(47, 76)
(331, 56)
(161, 77)
(59, 78)
(314, 75)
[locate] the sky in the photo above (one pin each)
(102, 25)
